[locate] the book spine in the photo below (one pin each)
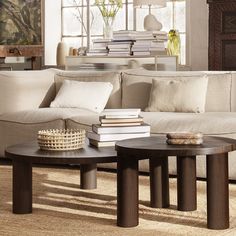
(115, 137)
(120, 130)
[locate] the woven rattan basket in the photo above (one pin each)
(61, 140)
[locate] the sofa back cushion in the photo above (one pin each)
(136, 88)
(219, 91)
(233, 92)
(23, 90)
(113, 77)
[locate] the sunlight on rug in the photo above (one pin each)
(60, 207)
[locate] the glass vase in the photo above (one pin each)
(174, 44)
(108, 27)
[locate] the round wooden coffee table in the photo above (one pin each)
(129, 152)
(24, 155)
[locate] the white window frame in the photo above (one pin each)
(126, 23)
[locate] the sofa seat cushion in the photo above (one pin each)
(23, 126)
(209, 123)
(43, 115)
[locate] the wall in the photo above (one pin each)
(197, 28)
(52, 30)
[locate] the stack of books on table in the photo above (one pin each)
(120, 48)
(99, 47)
(117, 124)
(150, 43)
(148, 47)
(145, 43)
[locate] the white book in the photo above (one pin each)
(115, 137)
(141, 53)
(115, 46)
(120, 130)
(116, 50)
(130, 111)
(120, 116)
(148, 44)
(101, 144)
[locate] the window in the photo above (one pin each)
(74, 20)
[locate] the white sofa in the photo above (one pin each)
(25, 98)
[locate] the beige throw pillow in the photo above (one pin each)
(91, 96)
(178, 95)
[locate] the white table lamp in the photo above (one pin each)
(150, 21)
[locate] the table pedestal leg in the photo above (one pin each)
(127, 192)
(186, 183)
(88, 176)
(159, 182)
(22, 187)
(217, 192)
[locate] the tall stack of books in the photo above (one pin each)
(117, 124)
(99, 48)
(120, 48)
(145, 43)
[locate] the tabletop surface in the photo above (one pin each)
(157, 145)
(88, 154)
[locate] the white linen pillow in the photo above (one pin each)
(91, 96)
(178, 95)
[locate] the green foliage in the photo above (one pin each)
(108, 8)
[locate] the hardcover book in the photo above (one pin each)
(120, 120)
(119, 130)
(115, 137)
(121, 124)
(102, 144)
(121, 112)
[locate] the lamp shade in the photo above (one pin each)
(147, 3)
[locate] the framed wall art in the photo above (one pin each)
(21, 29)
(21, 22)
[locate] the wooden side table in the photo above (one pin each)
(24, 155)
(157, 151)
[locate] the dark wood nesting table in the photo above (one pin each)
(24, 155)
(129, 152)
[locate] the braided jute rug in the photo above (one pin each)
(61, 208)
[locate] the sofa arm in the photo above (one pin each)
(23, 90)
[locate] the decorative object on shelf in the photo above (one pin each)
(174, 44)
(61, 140)
(82, 51)
(21, 30)
(150, 21)
(108, 27)
(184, 138)
(62, 52)
(108, 9)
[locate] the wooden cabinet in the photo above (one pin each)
(34, 52)
(222, 34)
